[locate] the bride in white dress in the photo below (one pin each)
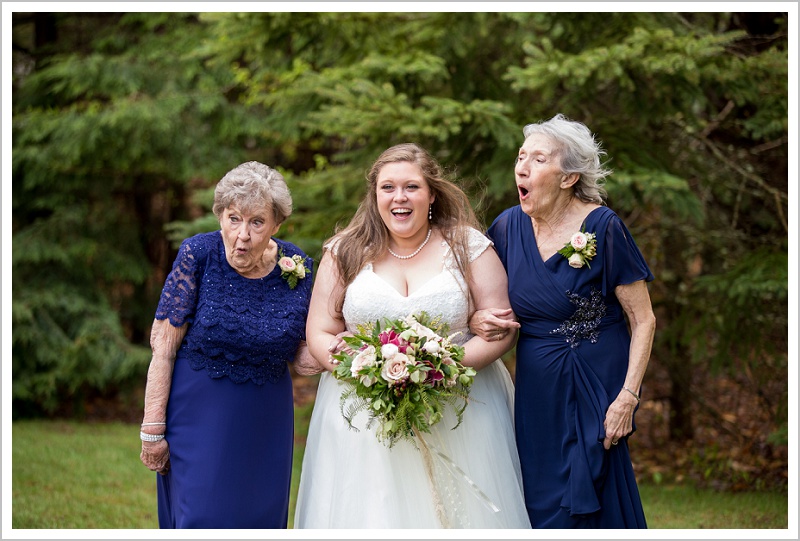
(412, 246)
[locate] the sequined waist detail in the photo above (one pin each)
(585, 325)
(585, 321)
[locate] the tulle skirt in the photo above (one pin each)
(349, 479)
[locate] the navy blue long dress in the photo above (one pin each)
(572, 356)
(230, 424)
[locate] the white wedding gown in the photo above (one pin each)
(351, 480)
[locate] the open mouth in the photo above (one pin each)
(523, 191)
(401, 212)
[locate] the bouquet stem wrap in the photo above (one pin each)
(428, 451)
(427, 460)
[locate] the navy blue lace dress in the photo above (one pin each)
(230, 424)
(572, 356)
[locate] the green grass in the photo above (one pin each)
(684, 507)
(73, 475)
(86, 476)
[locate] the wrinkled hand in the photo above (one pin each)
(155, 455)
(619, 419)
(492, 323)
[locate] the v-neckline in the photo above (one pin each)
(536, 242)
(420, 288)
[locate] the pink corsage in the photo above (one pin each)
(581, 248)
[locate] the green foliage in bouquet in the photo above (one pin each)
(404, 374)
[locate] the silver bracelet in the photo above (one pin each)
(144, 436)
(636, 396)
(154, 424)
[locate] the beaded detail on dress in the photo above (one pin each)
(584, 322)
(241, 328)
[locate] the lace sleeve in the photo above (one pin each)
(179, 295)
(478, 243)
(333, 245)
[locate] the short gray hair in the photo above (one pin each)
(253, 186)
(579, 152)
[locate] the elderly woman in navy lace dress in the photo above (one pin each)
(575, 276)
(218, 413)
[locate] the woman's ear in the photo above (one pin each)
(568, 181)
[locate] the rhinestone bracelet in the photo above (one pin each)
(144, 436)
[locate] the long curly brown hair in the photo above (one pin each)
(366, 238)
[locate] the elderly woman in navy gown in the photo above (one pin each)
(218, 413)
(577, 281)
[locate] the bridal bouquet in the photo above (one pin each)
(404, 374)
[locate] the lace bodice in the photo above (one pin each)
(241, 328)
(370, 298)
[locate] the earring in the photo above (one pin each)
(430, 212)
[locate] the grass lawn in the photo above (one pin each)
(88, 475)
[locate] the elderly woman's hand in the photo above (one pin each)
(155, 455)
(492, 323)
(619, 418)
(338, 344)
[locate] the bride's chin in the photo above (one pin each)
(403, 231)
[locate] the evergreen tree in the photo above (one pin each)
(123, 123)
(116, 117)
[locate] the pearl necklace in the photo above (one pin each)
(418, 250)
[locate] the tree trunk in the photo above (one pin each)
(681, 422)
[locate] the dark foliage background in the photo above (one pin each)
(124, 122)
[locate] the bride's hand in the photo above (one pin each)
(492, 324)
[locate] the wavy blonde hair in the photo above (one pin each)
(365, 239)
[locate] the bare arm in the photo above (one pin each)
(635, 301)
(165, 339)
(489, 288)
(325, 325)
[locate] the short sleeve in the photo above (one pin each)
(478, 243)
(178, 300)
(623, 261)
(333, 244)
